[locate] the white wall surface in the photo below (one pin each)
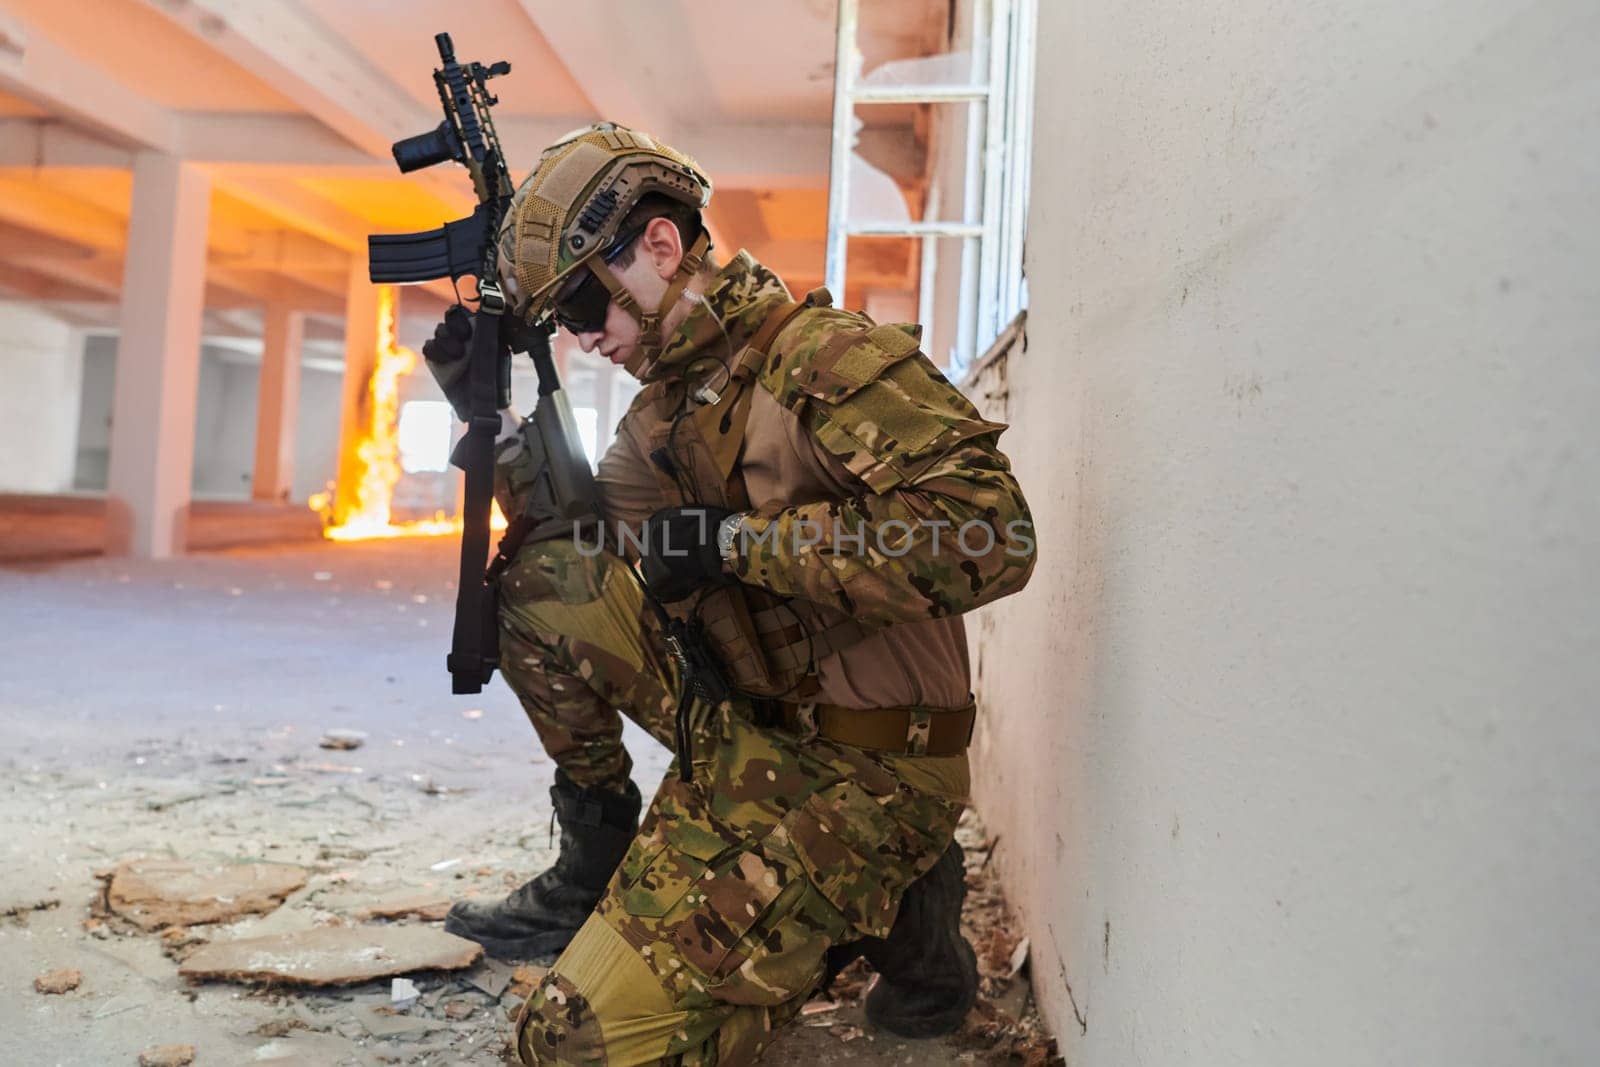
(41, 364)
(316, 439)
(224, 423)
(94, 413)
(1293, 742)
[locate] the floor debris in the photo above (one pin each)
(323, 767)
(425, 906)
(525, 979)
(1019, 958)
(21, 909)
(64, 980)
(332, 955)
(343, 740)
(177, 942)
(380, 1021)
(403, 993)
(491, 976)
(157, 893)
(167, 1056)
(168, 772)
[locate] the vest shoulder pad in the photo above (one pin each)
(869, 395)
(826, 354)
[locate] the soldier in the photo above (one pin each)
(811, 506)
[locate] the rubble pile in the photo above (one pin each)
(221, 883)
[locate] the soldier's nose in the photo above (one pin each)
(589, 338)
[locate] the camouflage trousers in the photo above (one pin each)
(714, 929)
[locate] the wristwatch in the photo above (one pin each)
(728, 538)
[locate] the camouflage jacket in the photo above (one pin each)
(899, 462)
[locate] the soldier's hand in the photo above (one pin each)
(446, 355)
(520, 336)
(679, 554)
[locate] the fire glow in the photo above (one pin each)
(378, 450)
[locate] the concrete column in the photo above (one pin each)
(360, 357)
(279, 403)
(158, 359)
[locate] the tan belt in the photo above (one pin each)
(914, 731)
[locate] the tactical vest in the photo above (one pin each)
(767, 645)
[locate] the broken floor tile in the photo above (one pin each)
(430, 907)
(491, 976)
(176, 941)
(167, 1056)
(343, 740)
(333, 955)
(525, 979)
(64, 980)
(157, 893)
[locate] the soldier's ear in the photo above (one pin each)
(664, 245)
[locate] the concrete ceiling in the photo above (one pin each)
(291, 107)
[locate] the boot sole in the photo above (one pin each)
(542, 947)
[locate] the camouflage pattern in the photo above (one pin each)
(575, 646)
(735, 888)
(737, 883)
(737, 301)
(566, 1029)
(518, 459)
(714, 929)
(930, 464)
(877, 405)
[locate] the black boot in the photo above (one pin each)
(539, 918)
(927, 971)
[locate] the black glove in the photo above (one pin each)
(447, 350)
(680, 551)
(446, 353)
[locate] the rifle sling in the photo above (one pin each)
(475, 641)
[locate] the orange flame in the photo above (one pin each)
(378, 450)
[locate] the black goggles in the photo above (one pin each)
(582, 308)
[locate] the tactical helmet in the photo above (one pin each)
(570, 208)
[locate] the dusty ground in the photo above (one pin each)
(174, 709)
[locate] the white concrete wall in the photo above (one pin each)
(1293, 742)
(316, 439)
(224, 424)
(41, 365)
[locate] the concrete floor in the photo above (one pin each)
(175, 707)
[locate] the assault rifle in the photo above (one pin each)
(565, 490)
